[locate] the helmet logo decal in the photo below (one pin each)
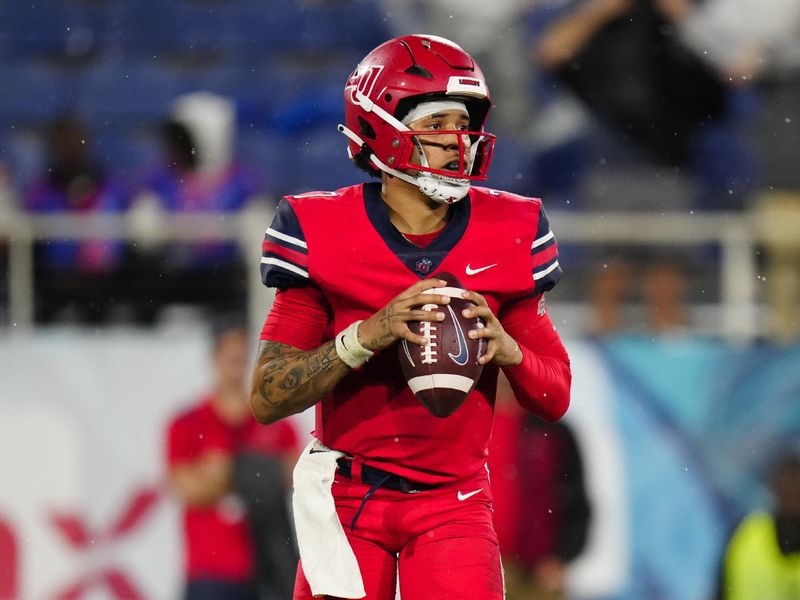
(364, 82)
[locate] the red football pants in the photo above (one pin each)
(441, 541)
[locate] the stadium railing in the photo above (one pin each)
(736, 311)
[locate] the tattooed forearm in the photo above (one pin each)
(265, 388)
(388, 337)
(293, 379)
(287, 380)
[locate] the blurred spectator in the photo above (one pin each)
(664, 289)
(777, 211)
(75, 279)
(658, 281)
(741, 38)
(676, 126)
(608, 294)
(197, 175)
(778, 220)
(619, 58)
(626, 61)
(231, 474)
(677, 76)
(762, 559)
(541, 508)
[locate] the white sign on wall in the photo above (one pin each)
(84, 512)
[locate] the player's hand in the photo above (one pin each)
(390, 323)
(501, 349)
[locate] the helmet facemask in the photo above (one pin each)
(452, 182)
(449, 183)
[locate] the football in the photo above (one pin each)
(443, 373)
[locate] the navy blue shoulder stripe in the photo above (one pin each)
(544, 256)
(284, 251)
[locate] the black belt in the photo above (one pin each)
(378, 478)
(390, 481)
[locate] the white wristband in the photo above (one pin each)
(350, 349)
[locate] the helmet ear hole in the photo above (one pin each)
(364, 164)
(366, 129)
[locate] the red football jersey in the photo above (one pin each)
(343, 243)
(218, 542)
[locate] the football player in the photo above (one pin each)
(386, 489)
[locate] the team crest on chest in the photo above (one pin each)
(423, 266)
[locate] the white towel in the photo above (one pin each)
(328, 560)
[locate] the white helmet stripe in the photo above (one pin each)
(399, 174)
(369, 106)
(350, 134)
(423, 158)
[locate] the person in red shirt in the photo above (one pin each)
(388, 494)
(542, 512)
(206, 447)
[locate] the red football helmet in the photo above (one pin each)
(388, 83)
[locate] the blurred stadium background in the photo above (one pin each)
(678, 420)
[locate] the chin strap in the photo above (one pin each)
(437, 188)
(443, 189)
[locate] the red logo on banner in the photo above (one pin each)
(8, 562)
(76, 533)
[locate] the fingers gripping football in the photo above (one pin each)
(390, 323)
(501, 349)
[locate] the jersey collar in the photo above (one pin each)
(421, 261)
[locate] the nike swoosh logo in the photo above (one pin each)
(462, 497)
(463, 352)
(408, 353)
(470, 271)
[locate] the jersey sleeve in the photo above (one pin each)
(284, 251)
(179, 444)
(190, 436)
(544, 256)
(541, 382)
(298, 318)
(188, 440)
